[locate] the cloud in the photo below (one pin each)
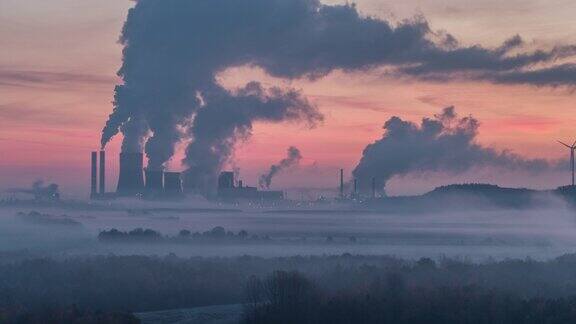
(562, 75)
(43, 79)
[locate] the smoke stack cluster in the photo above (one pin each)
(131, 180)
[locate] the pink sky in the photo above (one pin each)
(50, 121)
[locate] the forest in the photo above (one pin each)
(311, 289)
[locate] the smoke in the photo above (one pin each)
(175, 49)
(445, 143)
(293, 158)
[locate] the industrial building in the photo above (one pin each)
(228, 189)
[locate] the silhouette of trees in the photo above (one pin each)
(147, 235)
(284, 295)
(294, 301)
(299, 287)
(68, 315)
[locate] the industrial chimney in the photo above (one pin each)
(102, 172)
(93, 175)
(341, 183)
(131, 179)
(154, 181)
(172, 183)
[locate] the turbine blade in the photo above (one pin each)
(568, 146)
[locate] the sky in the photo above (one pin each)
(58, 71)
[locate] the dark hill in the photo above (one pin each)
(473, 196)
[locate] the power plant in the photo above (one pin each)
(133, 181)
(136, 181)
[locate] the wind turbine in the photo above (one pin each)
(572, 148)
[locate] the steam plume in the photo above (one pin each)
(445, 143)
(293, 158)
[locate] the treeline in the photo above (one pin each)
(218, 233)
(68, 315)
(38, 218)
(142, 283)
(291, 298)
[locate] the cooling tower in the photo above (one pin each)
(154, 181)
(102, 172)
(93, 175)
(131, 179)
(172, 183)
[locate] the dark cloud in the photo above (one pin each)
(479, 62)
(293, 157)
(443, 143)
(561, 75)
(36, 79)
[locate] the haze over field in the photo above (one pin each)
(540, 233)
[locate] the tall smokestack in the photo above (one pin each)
(341, 183)
(93, 175)
(102, 172)
(131, 179)
(373, 187)
(355, 187)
